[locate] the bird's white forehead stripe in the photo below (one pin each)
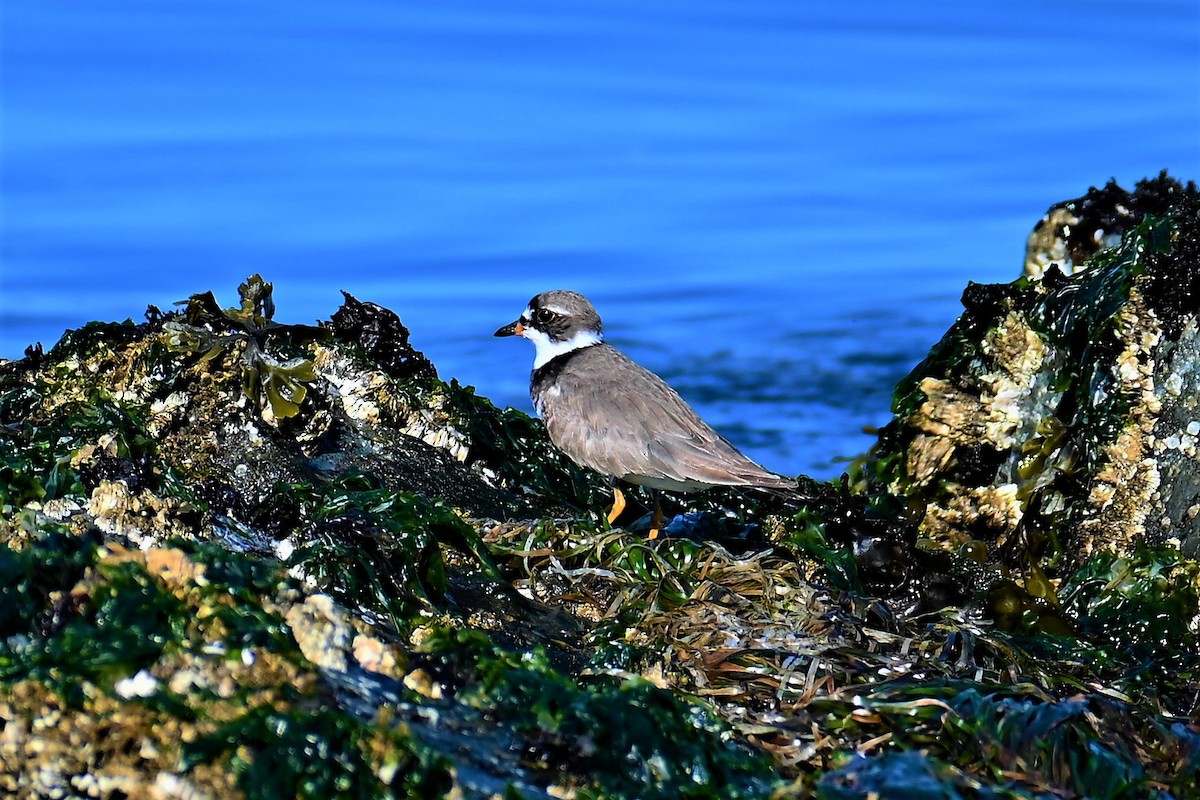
(557, 310)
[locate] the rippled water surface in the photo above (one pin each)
(774, 204)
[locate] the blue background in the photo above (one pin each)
(774, 204)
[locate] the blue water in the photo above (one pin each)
(774, 204)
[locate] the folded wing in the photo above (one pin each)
(618, 418)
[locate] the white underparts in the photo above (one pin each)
(548, 349)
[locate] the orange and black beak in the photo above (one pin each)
(511, 329)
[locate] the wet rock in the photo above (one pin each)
(382, 337)
(1058, 405)
(322, 631)
(1073, 231)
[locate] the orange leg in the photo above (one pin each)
(656, 521)
(618, 505)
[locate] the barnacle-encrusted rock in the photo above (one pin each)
(1125, 487)
(1174, 430)
(142, 517)
(322, 631)
(1067, 391)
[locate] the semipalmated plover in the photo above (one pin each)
(609, 414)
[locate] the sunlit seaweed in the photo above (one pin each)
(269, 382)
(624, 737)
(378, 550)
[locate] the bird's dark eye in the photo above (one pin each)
(543, 315)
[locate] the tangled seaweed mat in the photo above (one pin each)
(249, 559)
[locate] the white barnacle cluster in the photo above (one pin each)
(166, 412)
(1122, 489)
(431, 424)
(141, 517)
(371, 397)
(1019, 390)
(1140, 331)
(355, 389)
(1179, 430)
(1185, 443)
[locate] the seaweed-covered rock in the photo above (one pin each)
(1058, 417)
(244, 558)
(1073, 231)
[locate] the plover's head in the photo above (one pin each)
(557, 322)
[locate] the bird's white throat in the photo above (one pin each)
(548, 349)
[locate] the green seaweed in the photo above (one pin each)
(119, 625)
(25, 466)
(658, 574)
(1049, 742)
(233, 590)
(318, 753)
(910, 774)
(52, 563)
(667, 569)
(1092, 746)
(94, 338)
(378, 549)
(628, 737)
(213, 332)
(1015, 741)
(1136, 613)
(807, 536)
(1124, 622)
(36, 458)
